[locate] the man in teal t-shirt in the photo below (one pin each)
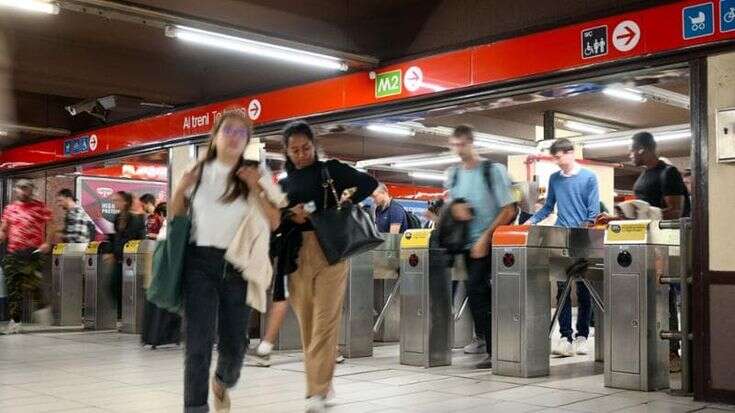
(485, 187)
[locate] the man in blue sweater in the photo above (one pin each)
(575, 193)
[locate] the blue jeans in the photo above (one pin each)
(214, 300)
(584, 311)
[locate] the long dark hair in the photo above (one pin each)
(298, 127)
(127, 197)
(235, 187)
(123, 216)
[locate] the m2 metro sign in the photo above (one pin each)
(652, 31)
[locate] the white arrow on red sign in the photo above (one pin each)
(413, 79)
(254, 108)
(626, 35)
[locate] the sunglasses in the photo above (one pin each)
(242, 133)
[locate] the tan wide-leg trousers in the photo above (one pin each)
(316, 291)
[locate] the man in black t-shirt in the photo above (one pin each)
(660, 184)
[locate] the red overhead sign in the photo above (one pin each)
(632, 35)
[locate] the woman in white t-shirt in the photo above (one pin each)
(220, 191)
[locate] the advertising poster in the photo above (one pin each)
(95, 197)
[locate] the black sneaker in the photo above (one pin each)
(485, 364)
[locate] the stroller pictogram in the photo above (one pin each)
(698, 21)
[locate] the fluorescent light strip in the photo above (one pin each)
(37, 6)
(585, 127)
(441, 160)
(242, 45)
(625, 94)
(663, 137)
(427, 176)
(505, 147)
(390, 129)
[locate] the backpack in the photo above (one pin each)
(413, 221)
(486, 173)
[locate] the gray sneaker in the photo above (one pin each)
(485, 364)
(262, 360)
(477, 346)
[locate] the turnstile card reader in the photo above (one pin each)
(426, 302)
(100, 308)
(67, 284)
(638, 254)
(525, 260)
(136, 276)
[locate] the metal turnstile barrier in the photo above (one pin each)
(67, 278)
(289, 335)
(136, 276)
(356, 333)
(639, 257)
(525, 260)
(426, 303)
(387, 300)
(464, 327)
(100, 308)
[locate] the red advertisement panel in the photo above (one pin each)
(95, 197)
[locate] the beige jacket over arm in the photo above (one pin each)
(248, 251)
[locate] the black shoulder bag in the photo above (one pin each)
(345, 229)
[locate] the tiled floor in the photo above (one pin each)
(110, 372)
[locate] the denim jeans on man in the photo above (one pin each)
(584, 311)
(214, 300)
(479, 295)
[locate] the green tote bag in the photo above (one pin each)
(168, 261)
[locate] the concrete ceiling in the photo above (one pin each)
(56, 60)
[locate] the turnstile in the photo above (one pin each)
(100, 308)
(289, 335)
(136, 275)
(464, 327)
(387, 300)
(525, 260)
(426, 302)
(638, 256)
(356, 332)
(67, 277)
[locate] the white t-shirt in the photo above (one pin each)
(214, 221)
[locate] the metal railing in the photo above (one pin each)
(684, 280)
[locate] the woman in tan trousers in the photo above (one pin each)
(316, 289)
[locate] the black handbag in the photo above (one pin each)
(344, 230)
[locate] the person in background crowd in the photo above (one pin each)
(661, 185)
(230, 210)
(687, 177)
(23, 227)
(128, 226)
(575, 193)
(390, 217)
(489, 204)
(78, 226)
(316, 289)
(155, 220)
(433, 212)
(148, 203)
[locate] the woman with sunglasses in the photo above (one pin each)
(221, 190)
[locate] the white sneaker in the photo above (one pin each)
(12, 327)
(43, 316)
(563, 347)
(316, 404)
(580, 346)
(477, 346)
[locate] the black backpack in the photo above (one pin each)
(414, 222)
(486, 173)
